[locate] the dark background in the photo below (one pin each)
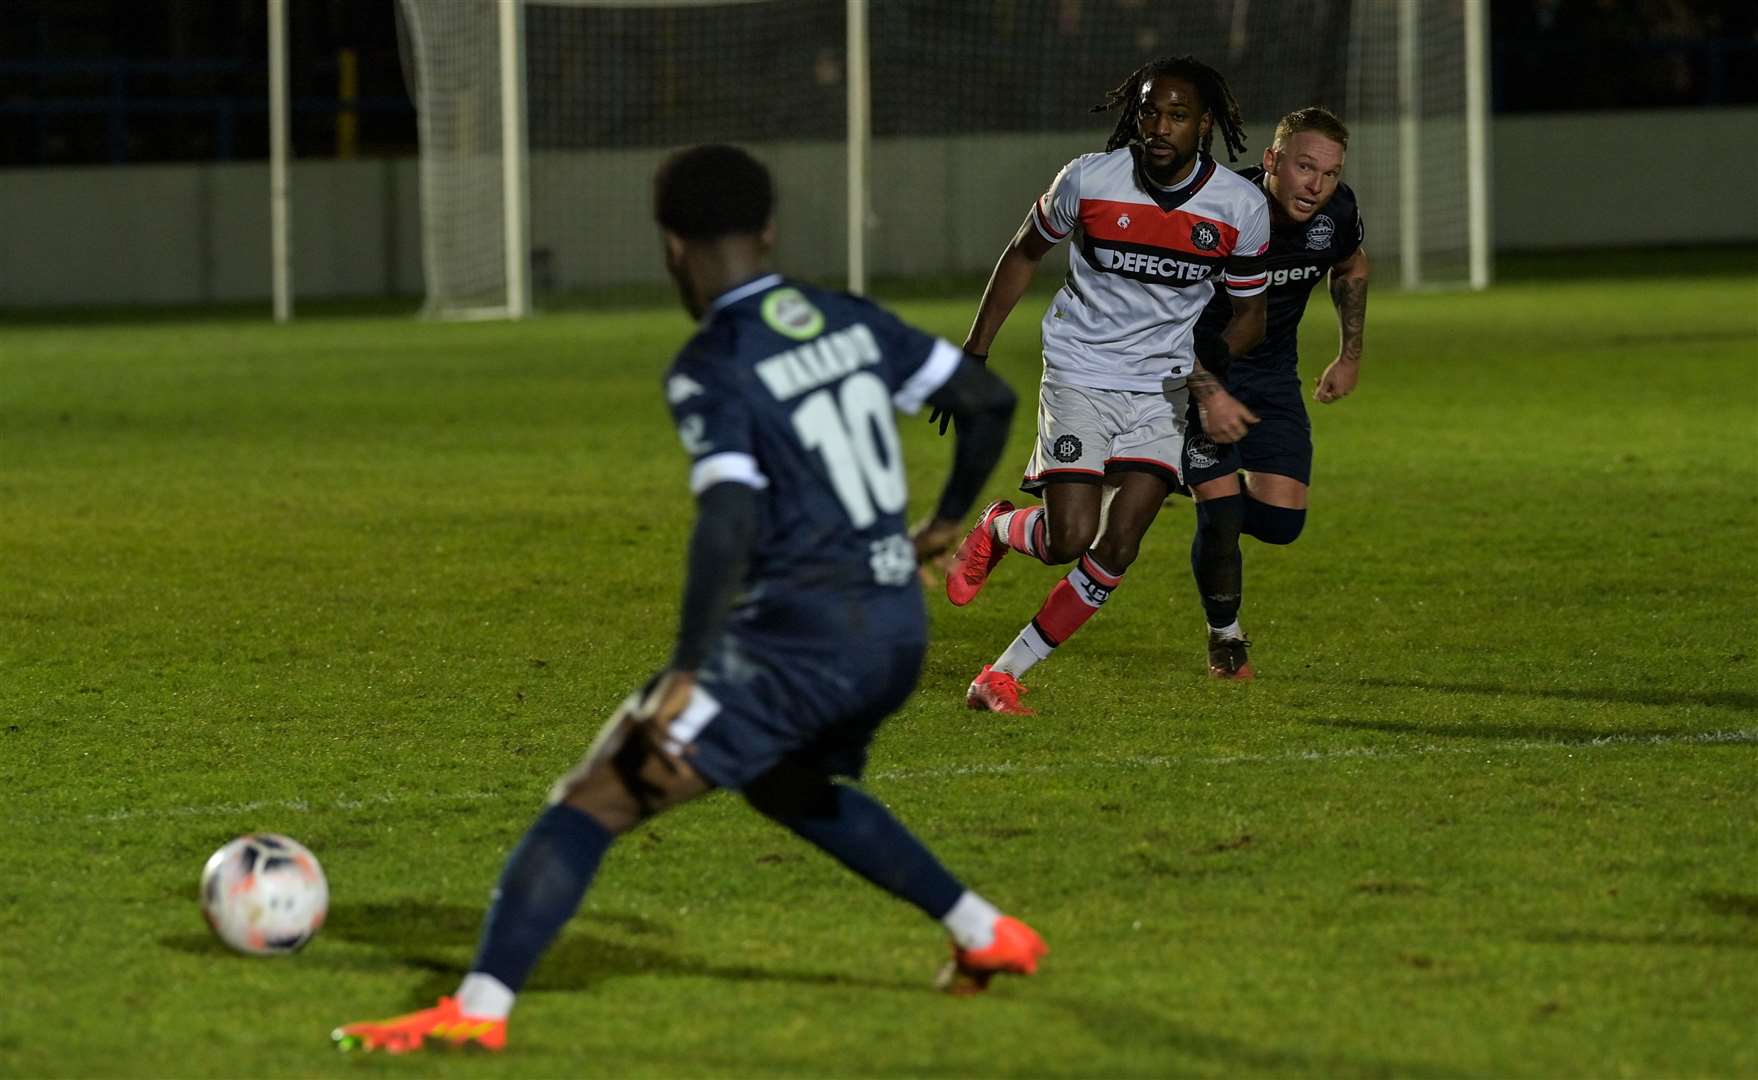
(112, 81)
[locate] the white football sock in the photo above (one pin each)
(1027, 649)
(971, 922)
(484, 996)
(1231, 630)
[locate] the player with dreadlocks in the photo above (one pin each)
(1210, 87)
(1155, 221)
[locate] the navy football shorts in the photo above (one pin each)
(1280, 442)
(808, 681)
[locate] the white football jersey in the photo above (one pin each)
(1142, 267)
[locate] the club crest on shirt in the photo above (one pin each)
(1319, 232)
(1205, 236)
(789, 313)
(1066, 448)
(1123, 222)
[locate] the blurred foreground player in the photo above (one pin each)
(1155, 222)
(802, 626)
(1315, 230)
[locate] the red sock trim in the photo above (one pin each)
(1099, 573)
(1025, 532)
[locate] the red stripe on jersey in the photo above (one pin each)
(1044, 220)
(1245, 283)
(1150, 225)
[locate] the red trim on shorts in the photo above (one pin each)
(1032, 483)
(1048, 473)
(1142, 461)
(1150, 467)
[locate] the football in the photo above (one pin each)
(264, 894)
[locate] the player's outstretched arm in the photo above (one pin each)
(1349, 295)
(1225, 418)
(984, 406)
(1007, 283)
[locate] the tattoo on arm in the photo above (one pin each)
(1349, 294)
(1201, 382)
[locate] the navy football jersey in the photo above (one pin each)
(1299, 257)
(792, 390)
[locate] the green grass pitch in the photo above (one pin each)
(1488, 811)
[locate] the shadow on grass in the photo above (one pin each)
(1717, 699)
(1121, 1024)
(1732, 904)
(411, 924)
(1743, 905)
(407, 933)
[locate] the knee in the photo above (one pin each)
(603, 796)
(1221, 520)
(628, 780)
(1116, 553)
(1273, 524)
(1065, 540)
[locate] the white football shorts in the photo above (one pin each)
(1085, 434)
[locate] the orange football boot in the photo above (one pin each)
(977, 555)
(996, 691)
(1015, 951)
(443, 1023)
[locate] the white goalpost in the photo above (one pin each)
(906, 136)
(281, 270)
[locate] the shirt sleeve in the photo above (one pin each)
(1247, 273)
(916, 363)
(1057, 211)
(1351, 233)
(714, 424)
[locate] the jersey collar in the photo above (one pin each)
(739, 292)
(1170, 199)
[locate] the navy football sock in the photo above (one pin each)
(539, 891)
(1215, 559)
(862, 835)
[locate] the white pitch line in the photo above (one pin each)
(1747, 736)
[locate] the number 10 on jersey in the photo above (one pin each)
(852, 430)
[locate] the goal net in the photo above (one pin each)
(973, 107)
